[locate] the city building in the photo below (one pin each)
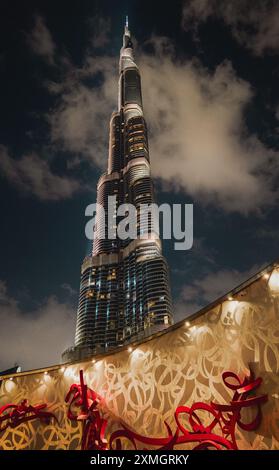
(124, 291)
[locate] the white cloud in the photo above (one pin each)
(253, 24)
(198, 139)
(36, 339)
(32, 174)
(80, 121)
(208, 288)
(199, 142)
(41, 42)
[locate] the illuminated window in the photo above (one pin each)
(136, 147)
(89, 294)
(166, 319)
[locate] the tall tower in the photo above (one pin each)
(124, 290)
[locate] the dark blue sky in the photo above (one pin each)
(46, 180)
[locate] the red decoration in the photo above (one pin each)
(13, 415)
(219, 434)
(93, 424)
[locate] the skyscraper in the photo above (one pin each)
(124, 290)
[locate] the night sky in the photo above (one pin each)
(210, 75)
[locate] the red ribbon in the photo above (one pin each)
(218, 434)
(13, 415)
(93, 425)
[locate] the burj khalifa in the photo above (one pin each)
(125, 289)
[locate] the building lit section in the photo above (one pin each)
(124, 290)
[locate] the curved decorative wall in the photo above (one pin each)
(142, 387)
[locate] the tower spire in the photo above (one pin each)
(126, 28)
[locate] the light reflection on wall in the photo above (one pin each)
(143, 386)
(273, 282)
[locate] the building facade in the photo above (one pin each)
(124, 291)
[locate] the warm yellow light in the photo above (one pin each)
(62, 369)
(273, 282)
(265, 276)
(93, 361)
(187, 323)
(230, 297)
(45, 372)
(11, 378)
(130, 349)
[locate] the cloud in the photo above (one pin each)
(69, 289)
(209, 287)
(199, 142)
(198, 139)
(100, 28)
(79, 123)
(253, 24)
(36, 339)
(41, 42)
(33, 175)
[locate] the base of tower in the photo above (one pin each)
(82, 352)
(77, 353)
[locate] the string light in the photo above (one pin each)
(130, 349)
(273, 282)
(230, 297)
(187, 323)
